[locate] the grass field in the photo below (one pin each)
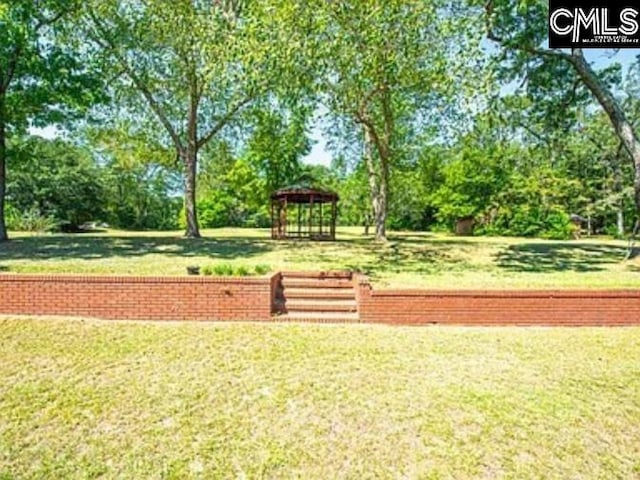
(87, 399)
(409, 259)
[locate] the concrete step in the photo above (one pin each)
(336, 293)
(320, 305)
(303, 282)
(316, 317)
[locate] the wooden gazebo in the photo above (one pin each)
(303, 213)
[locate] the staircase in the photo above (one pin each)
(327, 297)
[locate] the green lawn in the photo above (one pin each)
(409, 259)
(83, 399)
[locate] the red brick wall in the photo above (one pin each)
(143, 298)
(477, 307)
(207, 298)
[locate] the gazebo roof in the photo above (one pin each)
(303, 194)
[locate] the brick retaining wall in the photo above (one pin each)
(137, 298)
(498, 307)
(238, 298)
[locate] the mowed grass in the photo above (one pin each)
(409, 259)
(91, 399)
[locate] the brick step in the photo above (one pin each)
(318, 317)
(319, 305)
(316, 283)
(337, 293)
(318, 275)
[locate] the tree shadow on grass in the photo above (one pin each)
(415, 255)
(547, 257)
(88, 247)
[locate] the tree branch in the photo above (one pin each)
(223, 121)
(492, 35)
(107, 42)
(11, 68)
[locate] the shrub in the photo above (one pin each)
(262, 269)
(227, 270)
(32, 221)
(223, 269)
(242, 271)
(557, 226)
(207, 270)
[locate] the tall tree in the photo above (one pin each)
(383, 67)
(194, 65)
(520, 28)
(43, 80)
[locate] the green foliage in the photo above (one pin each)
(228, 270)
(189, 68)
(276, 145)
(57, 180)
(12, 217)
(207, 270)
(530, 221)
(30, 220)
(262, 269)
(141, 179)
(139, 198)
(470, 182)
(44, 78)
(242, 271)
(223, 269)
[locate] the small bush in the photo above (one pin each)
(557, 226)
(228, 270)
(262, 269)
(242, 271)
(223, 269)
(207, 270)
(31, 221)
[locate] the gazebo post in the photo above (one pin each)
(310, 216)
(321, 219)
(333, 219)
(299, 221)
(286, 218)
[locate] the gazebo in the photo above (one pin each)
(300, 212)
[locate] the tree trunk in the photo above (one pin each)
(622, 126)
(3, 168)
(380, 214)
(618, 190)
(190, 162)
(620, 219)
(378, 189)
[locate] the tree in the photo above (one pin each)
(56, 179)
(520, 28)
(195, 65)
(140, 177)
(278, 142)
(43, 80)
(383, 69)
